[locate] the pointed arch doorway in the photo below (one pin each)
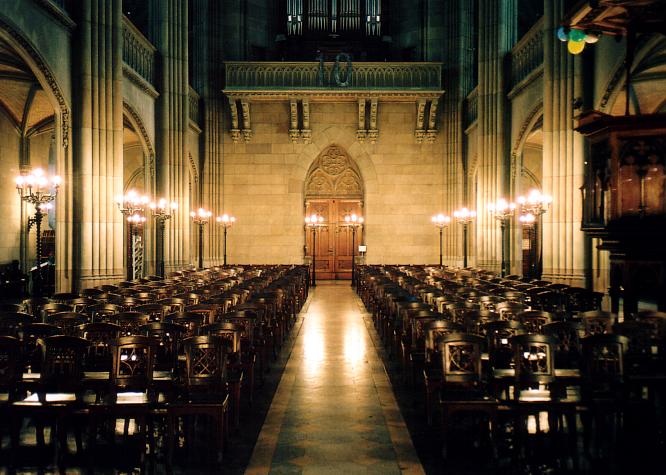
(333, 189)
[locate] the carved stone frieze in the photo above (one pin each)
(419, 132)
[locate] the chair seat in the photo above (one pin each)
(33, 399)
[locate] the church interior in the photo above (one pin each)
(333, 236)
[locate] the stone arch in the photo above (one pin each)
(529, 124)
(334, 174)
(65, 243)
(137, 124)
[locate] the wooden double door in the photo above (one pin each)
(333, 244)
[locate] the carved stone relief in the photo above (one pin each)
(334, 174)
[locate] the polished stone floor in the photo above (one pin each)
(334, 410)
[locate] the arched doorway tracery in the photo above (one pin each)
(333, 188)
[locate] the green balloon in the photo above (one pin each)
(577, 35)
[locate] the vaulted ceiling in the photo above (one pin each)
(22, 99)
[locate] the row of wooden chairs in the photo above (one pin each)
(481, 351)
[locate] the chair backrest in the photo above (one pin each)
(103, 311)
(80, 304)
(168, 337)
(130, 321)
(173, 304)
(229, 333)
(31, 335)
(100, 335)
(11, 364)
(568, 351)
(155, 311)
(603, 358)
(67, 321)
(597, 322)
(33, 305)
(12, 322)
(210, 310)
(50, 308)
(534, 320)
(461, 358)
(133, 363)
(62, 361)
(533, 358)
(245, 319)
(509, 310)
(498, 336)
(657, 320)
(436, 329)
(205, 365)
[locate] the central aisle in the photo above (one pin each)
(334, 410)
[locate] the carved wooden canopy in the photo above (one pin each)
(334, 175)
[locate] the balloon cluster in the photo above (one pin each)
(576, 39)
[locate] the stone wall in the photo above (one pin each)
(264, 179)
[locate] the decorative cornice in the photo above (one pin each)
(346, 95)
(139, 81)
(44, 69)
(58, 13)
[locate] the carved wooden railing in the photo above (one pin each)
(471, 107)
(311, 75)
(138, 53)
(194, 106)
(527, 54)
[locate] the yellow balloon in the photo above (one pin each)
(575, 47)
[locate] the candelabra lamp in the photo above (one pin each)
(353, 222)
(503, 212)
(314, 222)
(39, 190)
(226, 221)
(133, 207)
(201, 217)
(465, 217)
(535, 204)
(441, 221)
(161, 211)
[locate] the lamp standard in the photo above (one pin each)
(161, 211)
(441, 221)
(314, 222)
(465, 217)
(132, 206)
(535, 204)
(226, 221)
(503, 211)
(354, 222)
(35, 188)
(201, 217)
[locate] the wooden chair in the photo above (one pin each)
(67, 321)
(100, 335)
(173, 304)
(568, 351)
(50, 308)
(130, 321)
(155, 311)
(462, 388)
(168, 337)
(11, 371)
(203, 393)
(534, 320)
(12, 322)
(57, 396)
(597, 322)
(102, 312)
(31, 335)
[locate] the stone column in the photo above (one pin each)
(497, 32)
(207, 80)
(98, 145)
(172, 164)
(563, 241)
(457, 84)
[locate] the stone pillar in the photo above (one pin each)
(497, 31)
(207, 81)
(98, 145)
(458, 75)
(172, 164)
(563, 241)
